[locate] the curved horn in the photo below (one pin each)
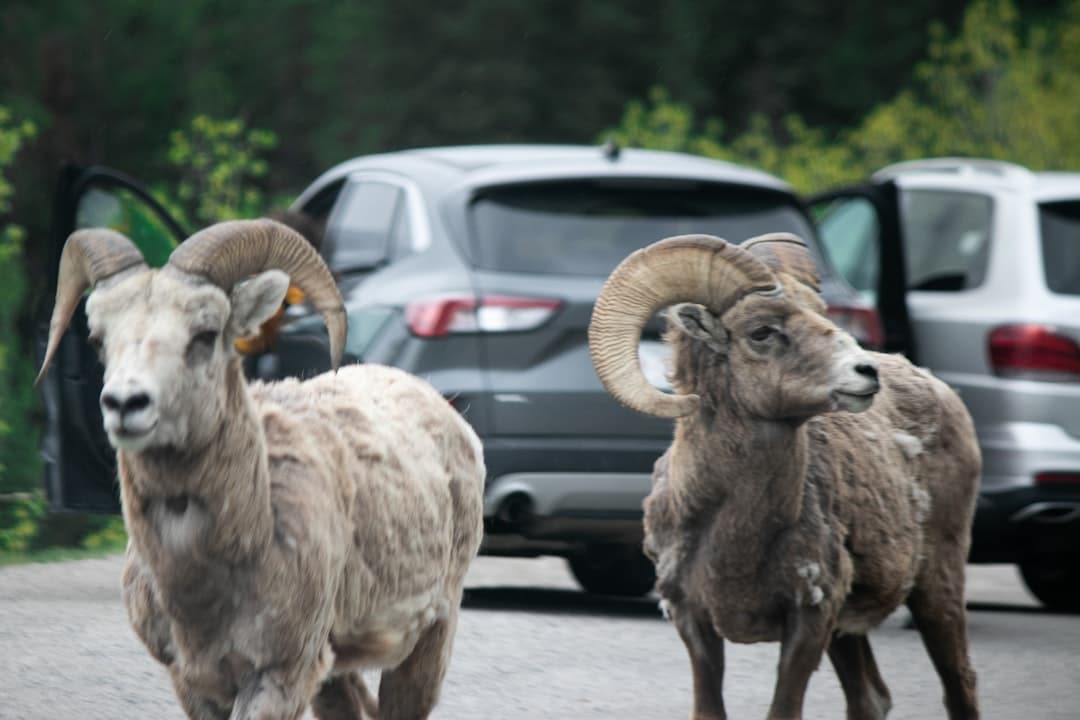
(229, 252)
(785, 253)
(89, 257)
(688, 268)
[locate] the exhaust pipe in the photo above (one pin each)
(1048, 513)
(515, 511)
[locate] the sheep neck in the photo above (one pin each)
(754, 467)
(228, 479)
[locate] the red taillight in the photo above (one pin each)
(1057, 478)
(861, 321)
(1034, 352)
(440, 316)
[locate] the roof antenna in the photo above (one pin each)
(611, 149)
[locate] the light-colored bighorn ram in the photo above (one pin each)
(283, 536)
(778, 514)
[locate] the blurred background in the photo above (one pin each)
(228, 109)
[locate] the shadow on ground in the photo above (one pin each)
(558, 602)
(1009, 608)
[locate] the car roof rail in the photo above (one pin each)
(962, 166)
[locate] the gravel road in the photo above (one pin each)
(530, 645)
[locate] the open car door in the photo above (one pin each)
(80, 466)
(860, 229)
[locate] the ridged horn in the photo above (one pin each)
(688, 268)
(786, 253)
(89, 257)
(231, 251)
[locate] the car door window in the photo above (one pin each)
(946, 239)
(80, 465)
(851, 234)
(1059, 224)
(359, 230)
(401, 235)
(120, 209)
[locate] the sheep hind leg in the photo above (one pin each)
(941, 619)
(706, 651)
(345, 697)
(866, 693)
(410, 690)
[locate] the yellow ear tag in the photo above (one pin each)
(267, 335)
(294, 295)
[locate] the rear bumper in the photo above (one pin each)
(1016, 518)
(1023, 523)
(1014, 453)
(553, 495)
(570, 495)
(580, 455)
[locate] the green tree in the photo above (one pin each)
(996, 90)
(808, 159)
(220, 162)
(18, 441)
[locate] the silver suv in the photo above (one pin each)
(975, 265)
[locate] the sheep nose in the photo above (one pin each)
(867, 370)
(125, 404)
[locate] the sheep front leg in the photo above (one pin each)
(706, 651)
(196, 705)
(269, 696)
(806, 633)
(144, 612)
(410, 691)
(345, 697)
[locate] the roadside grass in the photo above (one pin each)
(31, 534)
(49, 555)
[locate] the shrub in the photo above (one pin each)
(220, 162)
(19, 466)
(110, 535)
(19, 518)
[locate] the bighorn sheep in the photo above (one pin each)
(283, 536)
(773, 516)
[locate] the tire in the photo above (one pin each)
(1055, 581)
(619, 570)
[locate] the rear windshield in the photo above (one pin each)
(588, 227)
(1060, 225)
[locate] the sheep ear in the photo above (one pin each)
(697, 322)
(256, 300)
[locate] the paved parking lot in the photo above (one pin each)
(532, 646)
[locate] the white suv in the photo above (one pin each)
(975, 266)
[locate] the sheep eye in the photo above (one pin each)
(206, 338)
(201, 347)
(761, 333)
(96, 345)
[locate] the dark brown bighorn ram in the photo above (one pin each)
(284, 535)
(778, 514)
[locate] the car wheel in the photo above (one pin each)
(621, 570)
(1054, 581)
